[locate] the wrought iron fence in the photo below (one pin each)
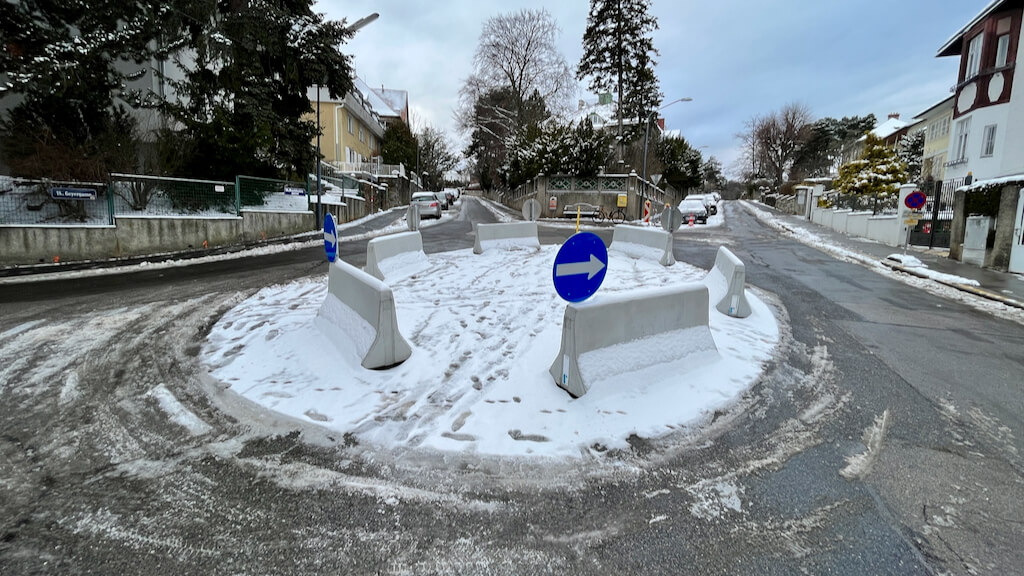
(27, 202)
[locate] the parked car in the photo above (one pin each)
(430, 205)
(710, 204)
(443, 198)
(694, 207)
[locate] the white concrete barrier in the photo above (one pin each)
(363, 307)
(507, 236)
(827, 216)
(659, 326)
(647, 243)
(383, 248)
(725, 282)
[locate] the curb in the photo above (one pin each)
(962, 287)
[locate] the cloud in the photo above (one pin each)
(735, 58)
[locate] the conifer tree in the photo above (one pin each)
(618, 57)
(879, 171)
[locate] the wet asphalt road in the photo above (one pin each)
(884, 438)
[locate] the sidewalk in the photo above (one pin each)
(998, 286)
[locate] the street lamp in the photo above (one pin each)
(647, 134)
(319, 128)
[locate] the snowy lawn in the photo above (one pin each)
(484, 331)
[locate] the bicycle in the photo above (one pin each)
(617, 216)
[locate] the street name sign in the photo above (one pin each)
(580, 267)
(72, 194)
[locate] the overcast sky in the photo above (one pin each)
(735, 58)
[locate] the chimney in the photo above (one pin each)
(894, 116)
(661, 124)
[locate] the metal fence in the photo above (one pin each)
(936, 223)
(139, 195)
(27, 202)
(270, 194)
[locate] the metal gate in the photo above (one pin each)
(933, 230)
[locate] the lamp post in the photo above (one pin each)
(319, 128)
(647, 134)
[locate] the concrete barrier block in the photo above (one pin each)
(380, 249)
(726, 281)
(507, 236)
(669, 322)
(645, 243)
(364, 308)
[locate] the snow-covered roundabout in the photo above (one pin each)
(484, 330)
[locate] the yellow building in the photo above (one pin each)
(936, 141)
(351, 130)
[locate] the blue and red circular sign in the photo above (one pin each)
(915, 200)
(580, 267)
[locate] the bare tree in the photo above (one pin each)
(773, 142)
(518, 52)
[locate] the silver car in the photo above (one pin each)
(430, 206)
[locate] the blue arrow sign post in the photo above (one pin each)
(330, 237)
(580, 267)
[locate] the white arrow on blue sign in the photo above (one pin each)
(580, 267)
(330, 237)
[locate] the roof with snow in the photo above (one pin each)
(378, 104)
(994, 183)
(397, 100)
(887, 128)
(954, 46)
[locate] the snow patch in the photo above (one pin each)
(178, 413)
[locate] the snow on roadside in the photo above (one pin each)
(178, 413)
(920, 268)
(484, 331)
(948, 292)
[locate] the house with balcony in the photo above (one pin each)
(986, 137)
(350, 128)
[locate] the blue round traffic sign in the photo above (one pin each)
(915, 200)
(580, 267)
(330, 237)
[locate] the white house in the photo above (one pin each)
(987, 135)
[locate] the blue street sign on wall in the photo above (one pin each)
(330, 237)
(580, 267)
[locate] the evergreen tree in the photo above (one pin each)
(878, 172)
(910, 150)
(246, 81)
(681, 163)
(618, 57)
(398, 146)
(61, 58)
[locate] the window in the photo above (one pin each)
(973, 58)
(362, 134)
(963, 129)
(1002, 50)
(988, 143)
(351, 130)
